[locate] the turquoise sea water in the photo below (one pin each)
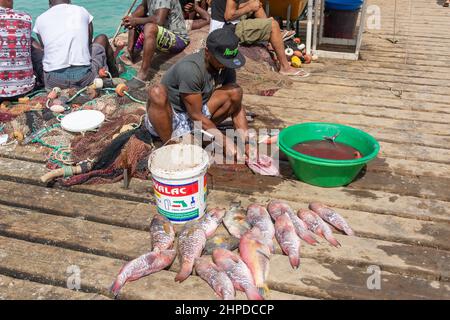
(107, 13)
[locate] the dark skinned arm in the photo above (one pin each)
(91, 33)
(204, 20)
(40, 40)
(159, 18)
(194, 104)
(234, 11)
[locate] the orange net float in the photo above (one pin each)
(54, 93)
(102, 73)
(121, 89)
(308, 58)
(298, 53)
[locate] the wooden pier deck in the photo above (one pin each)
(400, 210)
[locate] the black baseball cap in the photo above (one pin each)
(223, 44)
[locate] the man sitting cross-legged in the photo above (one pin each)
(253, 26)
(154, 25)
(71, 58)
(201, 87)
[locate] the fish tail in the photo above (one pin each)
(263, 290)
(253, 293)
(115, 288)
(332, 240)
(348, 231)
(184, 273)
(309, 238)
(295, 261)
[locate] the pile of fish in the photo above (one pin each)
(224, 270)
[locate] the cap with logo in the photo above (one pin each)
(223, 44)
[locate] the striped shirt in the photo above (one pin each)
(16, 68)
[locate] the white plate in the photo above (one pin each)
(82, 121)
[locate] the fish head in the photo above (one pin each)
(224, 258)
(218, 213)
(278, 207)
(283, 221)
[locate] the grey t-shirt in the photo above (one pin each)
(190, 75)
(175, 20)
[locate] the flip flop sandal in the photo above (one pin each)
(300, 73)
(288, 35)
(136, 84)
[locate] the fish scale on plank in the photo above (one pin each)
(142, 266)
(332, 217)
(256, 255)
(278, 207)
(238, 272)
(162, 233)
(215, 277)
(258, 217)
(191, 243)
(318, 226)
(288, 239)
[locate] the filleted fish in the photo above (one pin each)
(332, 217)
(256, 255)
(162, 233)
(288, 239)
(215, 277)
(278, 207)
(191, 243)
(238, 272)
(140, 267)
(318, 226)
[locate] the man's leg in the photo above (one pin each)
(110, 57)
(37, 55)
(150, 34)
(133, 34)
(160, 112)
(276, 40)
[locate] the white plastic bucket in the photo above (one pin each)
(179, 181)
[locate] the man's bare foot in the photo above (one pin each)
(130, 58)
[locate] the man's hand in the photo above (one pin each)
(255, 5)
(188, 8)
(130, 22)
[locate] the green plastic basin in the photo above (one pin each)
(325, 172)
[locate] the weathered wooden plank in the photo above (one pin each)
(356, 109)
(386, 99)
(374, 84)
(367, 225)
(345, 198)
(367, 250)
(13, 251)
(17, 289)
(140, 190)
(97, 273)
(367, 92)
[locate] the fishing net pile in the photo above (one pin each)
(93, 157)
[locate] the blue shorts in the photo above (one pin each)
(181, 123)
